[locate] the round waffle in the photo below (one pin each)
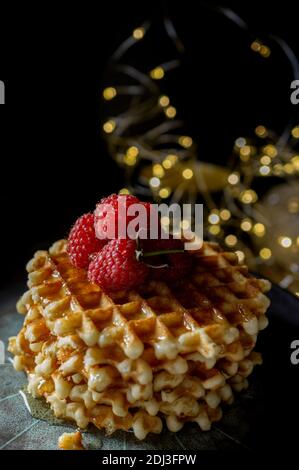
(128, 359)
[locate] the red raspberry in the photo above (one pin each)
(107, 217)
(115, 267)
(179, 264)
(82, 241)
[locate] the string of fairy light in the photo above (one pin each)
(166, 165)
(144, 147)
(255, 162)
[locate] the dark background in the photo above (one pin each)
(54, 164)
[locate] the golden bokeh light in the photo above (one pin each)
(130, 160)
(109, 93)
(295, 132)
(158, 170)
(164, 101)
(246, 225)
(265, 51)
(124, 191)
(170, 161)
(187, 174)
(170, 112)
(164, 192)
(261, 131)
(289, 168)
(270, 150)
(245, 153)
(157, 73)
(256, 46)
(259, 229)
(109, 126)
(265, 160)
(295, 162)
(133, 151)
(233, 178)
(214, 229)
(231, 240)
(265, 253)
(248, 196)
(138, 33)
(225, 214)
(185, 141)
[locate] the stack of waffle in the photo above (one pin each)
(128, 359)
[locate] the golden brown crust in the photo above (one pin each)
(125, 360)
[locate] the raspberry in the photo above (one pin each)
(115, 267)
(178, 264)
(108, 219)
(82, 241)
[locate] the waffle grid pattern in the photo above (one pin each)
(126, 360)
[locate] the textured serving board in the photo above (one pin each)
(244, 425)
